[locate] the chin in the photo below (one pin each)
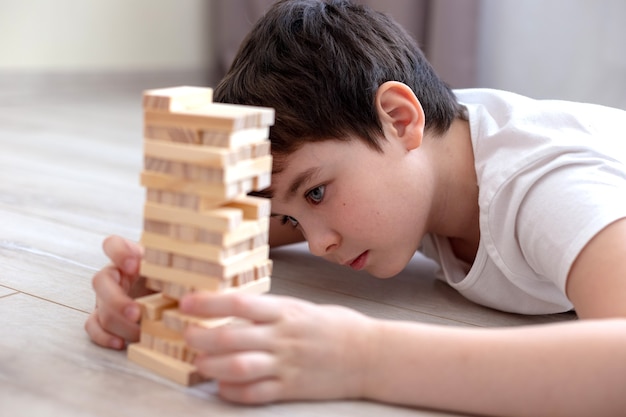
(386, 273)
(389, 269)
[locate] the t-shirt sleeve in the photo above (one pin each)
(565, 208)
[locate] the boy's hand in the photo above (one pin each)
(292, 349)
(115, 318)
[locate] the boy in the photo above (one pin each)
(522, 203)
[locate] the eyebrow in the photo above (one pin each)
(300, 179)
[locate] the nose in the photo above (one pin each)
(322, 241)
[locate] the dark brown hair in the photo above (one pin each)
(319, 63)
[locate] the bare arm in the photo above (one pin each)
(597, 281)
(571, 369)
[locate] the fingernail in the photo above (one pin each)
(132, 313)
(186, 303)
(130, 266)
(116, 343)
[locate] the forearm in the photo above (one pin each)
(569, 369)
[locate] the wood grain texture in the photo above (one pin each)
(69, 176)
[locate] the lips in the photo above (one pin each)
(359, 262)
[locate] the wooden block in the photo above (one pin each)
(220, 219)
(259, 286)
(265, 269)
(216, 116)
(156, 285)
(261, 149)
(177, 98)
(194, 154)
(146, 340)
(180, 372)
(178, 321)
(226, 268)
(172, 134)
(211, 194)
(183, 232)
(165, 340)
(244, 278)
(157, 165)
(209, 176)
(192, 280)
(182, 200)
(261, 182)
(253, 138)
(185, 171)
(157, 257)
(208, 156)
(155, 226)
(219, 191)
(248, 168)
(246, 230)
(157, 329)
(152, 306)
(261, 270)
(191, 249)
(234, 140)
(172, 347)
(217, 280)
(199, 250)
(177, 290)
(253, 207)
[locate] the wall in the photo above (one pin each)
(569, 49)
(103, 34)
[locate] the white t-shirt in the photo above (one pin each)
(551, 175)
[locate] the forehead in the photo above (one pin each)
(310, 160)
(292, 170)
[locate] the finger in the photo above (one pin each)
(110, 294)
(257, 308)
(124, 254)
(99, 336)
(237, 368)
(117, 324)
(258, 392)
(227, 339)
(116, 312)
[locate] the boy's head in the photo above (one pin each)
(319, 64)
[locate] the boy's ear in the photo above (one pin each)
(400, 113)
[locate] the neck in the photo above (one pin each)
(455, 207)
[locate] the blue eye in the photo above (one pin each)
(316, 195)
(290, 220)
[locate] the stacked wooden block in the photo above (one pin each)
(201, 229)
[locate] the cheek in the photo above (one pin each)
(361, 217)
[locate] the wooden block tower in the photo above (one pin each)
(201, 229)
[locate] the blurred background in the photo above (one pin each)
(567, 49)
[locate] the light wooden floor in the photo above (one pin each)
(69, 167)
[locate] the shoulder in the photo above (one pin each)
(596, 283)
(547, 187)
